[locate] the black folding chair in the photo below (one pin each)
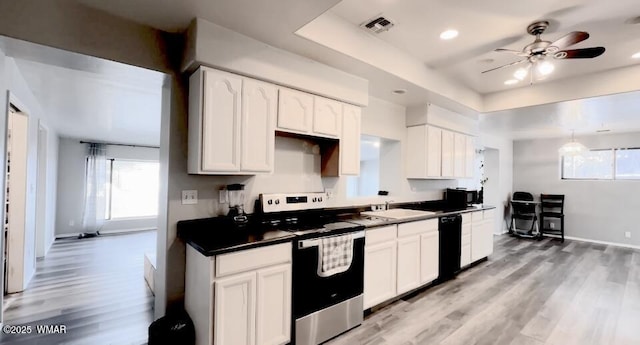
(523, 215)
(552, 208)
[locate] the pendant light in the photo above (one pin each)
(572, 148)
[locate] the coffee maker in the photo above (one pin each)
(236, 203)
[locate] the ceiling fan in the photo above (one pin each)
(536, 53)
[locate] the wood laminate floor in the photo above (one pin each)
(95, 287)
(528, 293)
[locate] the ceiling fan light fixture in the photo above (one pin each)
(511, 82)
(449, 34)
(521, 73)
(545, 68)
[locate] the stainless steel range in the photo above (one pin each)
(328, 266)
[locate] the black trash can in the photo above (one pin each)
(172, 329)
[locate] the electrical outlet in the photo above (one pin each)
(189, 197)
(627, 234)
(223, 196)
(72, 223)
(552, 225)
(328, 192)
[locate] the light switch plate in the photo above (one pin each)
(189, 197)
(627, 234)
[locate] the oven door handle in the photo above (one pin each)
(316, 241)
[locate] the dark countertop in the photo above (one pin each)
(372, 222)
(220, 235)
(215, 236)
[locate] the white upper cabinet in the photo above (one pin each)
(221, 122)
(327, 117)
(231, 124)
(459, 153)
(470, 154)
(424, 151)
(434, 151)
(350, 141)
(417, 152)
(447, 153)
(259, 111)
(295, 110)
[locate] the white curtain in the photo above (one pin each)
(95, 191)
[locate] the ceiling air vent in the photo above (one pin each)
(377, 24)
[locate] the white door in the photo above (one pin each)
(273, 322)
(417, 152)
(408, 263)
(327, 117)
(470, 157)
(295, 110)
(447, 153)
(350, 141)
(434, 151)
(221, 121)
(379, 273)
(429, 256)
(459, 153)
(235, 310)
(259, 111)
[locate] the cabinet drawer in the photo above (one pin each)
(466, 218)
(379, 235)
(252, 259)
(476, 216)
(490, 214)
(466, 239)
(414, 228)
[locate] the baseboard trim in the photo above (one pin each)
(616, 244)
(105, 232)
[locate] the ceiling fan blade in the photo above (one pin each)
(585, 53)
(507, 65)
(516, 52)
(570, 39)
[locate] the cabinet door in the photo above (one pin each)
(295, 110)
(470, 157)
(478, 241)
(447, 153)
(379, 273)
(459, 153)
(434, 151)
(429, 256)
(408, 263)
(259, 107)
(221, 122)
(488, 237)
(417, 152)
(235, 310)
(327, 117)
(350, 141)
(273, 322)
(465, 249)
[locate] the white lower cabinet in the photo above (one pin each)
(240, 298)
(379, 272)
(235, 309)
(481, 235)
(273, 314)
(399, 259)
(429, 256)
(408, 263)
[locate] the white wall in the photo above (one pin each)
(71, 182)
(594, 210)
(19, 88)
(505, 172)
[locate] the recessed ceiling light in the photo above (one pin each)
(511, 82)
(399, 91)
(636, 55)
(449, 34)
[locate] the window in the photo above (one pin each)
(132, 189)
(373, 174)
(610, 164)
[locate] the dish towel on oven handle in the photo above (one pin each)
(335, 255)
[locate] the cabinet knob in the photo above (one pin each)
(269, 202)
(277, 201)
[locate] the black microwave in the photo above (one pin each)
(461, 197)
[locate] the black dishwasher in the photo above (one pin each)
(450, 228)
